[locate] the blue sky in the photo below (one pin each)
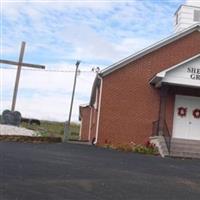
(57, 33)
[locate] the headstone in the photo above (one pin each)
(11, 118)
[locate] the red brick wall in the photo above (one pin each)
(129, 104)
(89, 120)
(85, 121)
(170, 110)
(94, 115)
(93, 124)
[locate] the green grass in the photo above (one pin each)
(54, 129)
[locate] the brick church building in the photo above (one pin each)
(154, 92)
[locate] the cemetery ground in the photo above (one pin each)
(44, 132)
(67, 171)
(53, 129)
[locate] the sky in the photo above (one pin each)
(58, 33)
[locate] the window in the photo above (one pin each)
(197, 15)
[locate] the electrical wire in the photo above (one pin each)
(48, 70)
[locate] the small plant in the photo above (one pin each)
(125, 147)
(148, 148)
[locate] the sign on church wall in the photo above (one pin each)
(194, 73)
(186, 74)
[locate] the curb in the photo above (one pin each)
(29, 139)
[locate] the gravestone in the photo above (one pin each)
(11, 117)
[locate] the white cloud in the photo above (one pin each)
(46, 107)
(46, 95)
(87, 31)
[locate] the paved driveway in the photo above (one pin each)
(72, 171)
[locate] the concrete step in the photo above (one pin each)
(185, 148)
(184, 141)
(180, 148)
(185, 155)
(159, 141)
(177, 147)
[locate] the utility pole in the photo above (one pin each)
(67, 123)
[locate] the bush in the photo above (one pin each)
(125, 147)
(147, 148)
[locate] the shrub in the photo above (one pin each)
(125, 147)
(148, 148)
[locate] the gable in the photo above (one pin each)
(151, 60)
(148, 50)
(186, 73)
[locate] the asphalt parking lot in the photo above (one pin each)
(73, 171)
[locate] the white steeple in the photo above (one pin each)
(193, 3)
(187, 15)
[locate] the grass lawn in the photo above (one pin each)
(54, 129)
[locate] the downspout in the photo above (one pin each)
(90, 125)
(99, 109)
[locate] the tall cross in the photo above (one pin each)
(20, 64)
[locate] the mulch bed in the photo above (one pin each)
(29, 139)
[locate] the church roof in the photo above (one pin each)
(122, 63)
(148, 50)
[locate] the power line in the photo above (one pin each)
(48, 70)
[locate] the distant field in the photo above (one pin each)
(54, 129)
